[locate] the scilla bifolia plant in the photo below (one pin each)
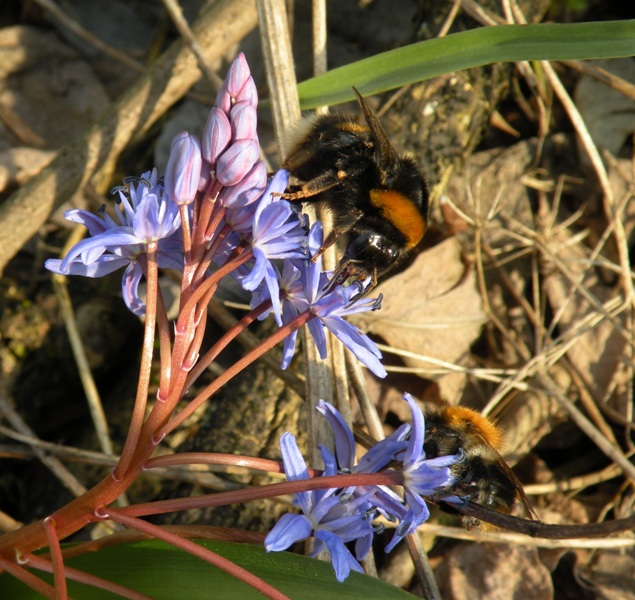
(214, 214)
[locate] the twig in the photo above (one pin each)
(69, 481)
(176, 14)
(82, 33)
(93, 399)
(506, 537)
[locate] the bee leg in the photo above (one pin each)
(313, 187)
(341, 228)
(349, 268)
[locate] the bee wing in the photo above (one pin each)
(529, 511)
(385, 152)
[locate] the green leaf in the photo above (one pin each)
(165, 573)
(474, 48)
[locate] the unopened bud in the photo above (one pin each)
(238, 86)
(216, 135)
(183, 170)
(236, 162)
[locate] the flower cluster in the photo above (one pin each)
(146, 215)
(214, 209)
(216, 214)
(338, 516)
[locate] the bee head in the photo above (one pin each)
(368, 255)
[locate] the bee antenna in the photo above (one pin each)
(385, 152)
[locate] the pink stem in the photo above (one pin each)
(224, 341)
(27, 578)
(237, 367)
(263, 491)
(59, 578)
(185, 228)
(138, 413)
(218, 458)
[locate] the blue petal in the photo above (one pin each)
(363, 546)
(344, 440)
(415, 443)
(295, 468)
(341, 558)
(91, 221)
(288, 349)
(257, 274)
(330, 462)
(104, 266)
(383, 452)
(294, 465)
(317, 333)
(130, 289)
(287, 531)
(357, 343)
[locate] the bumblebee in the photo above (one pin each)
(483, 476)
(376, 197)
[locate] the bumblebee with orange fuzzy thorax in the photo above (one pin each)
(378, 198)
(482, 476)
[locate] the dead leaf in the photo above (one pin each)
(492, 185)
(608, 114)
(433, 309)
(612, 575)
(597, 354)
(495, 572)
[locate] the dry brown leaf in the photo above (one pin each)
(612, 575)
(432, 309)
(495, 572)
(609, 115)
(491, 185)
(597, 354)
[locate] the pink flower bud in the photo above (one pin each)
(236, 162)
(183, 170)
(238, 86)
(248, 190)
(243, 121)
(216, 135)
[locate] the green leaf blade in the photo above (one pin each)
(474, 48)
(165, 573)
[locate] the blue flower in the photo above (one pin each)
(330, 304)
(422, 477)
(333, 518)
(145, 215)
(276, 234)
(378, 456)
(336, 517)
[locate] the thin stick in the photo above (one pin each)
(68, 480)
(87, 36)
(60, 285)
(176, 14)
